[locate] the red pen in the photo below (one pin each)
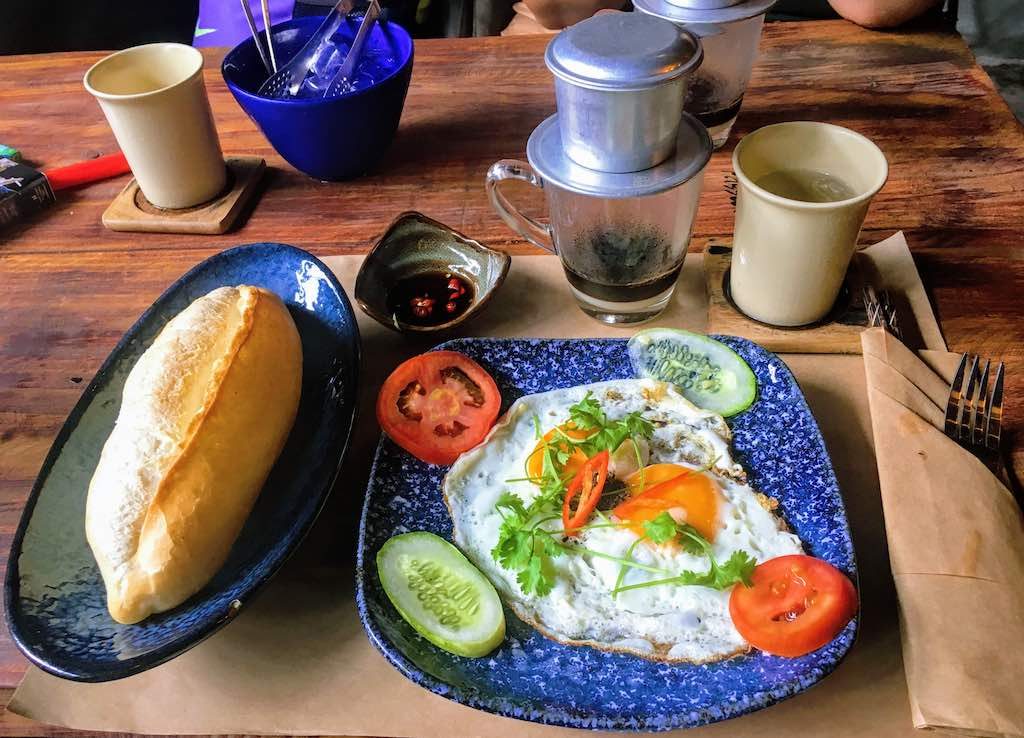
(24, 190)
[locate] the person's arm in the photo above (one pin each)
(562, 13)
(881, 13)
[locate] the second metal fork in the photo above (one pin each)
(974, 414)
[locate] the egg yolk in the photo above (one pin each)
(535, 461)
(652, 475)
(688, 496)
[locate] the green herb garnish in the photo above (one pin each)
(737, 568)
(527, 548)
(660, 530)
(607, 435)
(523, 546)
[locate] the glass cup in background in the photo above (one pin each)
(803, 191)
(730, 36)
(621, 237)
(155, 101)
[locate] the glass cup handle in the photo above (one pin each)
(532, 230)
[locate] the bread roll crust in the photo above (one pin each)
(205, 412)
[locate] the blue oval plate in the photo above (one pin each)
(54, 596)
(533, 678)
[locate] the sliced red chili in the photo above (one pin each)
(423, 306)
(587, 485)
(457, 287)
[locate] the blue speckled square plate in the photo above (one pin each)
(533, 678)
(54, 597)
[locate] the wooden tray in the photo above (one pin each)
(838, 333)
(131, 211)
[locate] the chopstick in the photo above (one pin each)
(255, 35)
(266, 30)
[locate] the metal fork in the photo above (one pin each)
(881, 311)
(974, 414)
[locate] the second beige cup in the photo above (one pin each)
(803, 191)
(155, 101)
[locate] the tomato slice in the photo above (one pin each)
(438, 405)
(796, 605)
(687, 496)
(588, 484)
(535, 461)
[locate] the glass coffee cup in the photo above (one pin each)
(621, 237)
(730, 33)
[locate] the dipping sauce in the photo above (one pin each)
(429, 298)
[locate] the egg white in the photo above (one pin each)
(664, 622)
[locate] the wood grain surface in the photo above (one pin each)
(69, 287)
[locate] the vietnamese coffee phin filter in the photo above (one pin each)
(620, 165)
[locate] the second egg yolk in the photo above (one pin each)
(688, 496)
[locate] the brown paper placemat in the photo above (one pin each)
(296, 659)
(956, 548)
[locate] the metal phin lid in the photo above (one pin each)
(702, 11)
(548, 159)
(705, 4)
(622, 51)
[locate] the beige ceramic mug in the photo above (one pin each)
(155, 101)
(803, 191)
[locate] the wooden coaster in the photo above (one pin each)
(838, 333)
(131, 211)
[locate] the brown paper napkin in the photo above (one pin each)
(956, 545)
(296, 659)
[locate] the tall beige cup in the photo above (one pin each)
(155, 101)
(790, 256)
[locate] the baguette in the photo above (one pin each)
(205, 412)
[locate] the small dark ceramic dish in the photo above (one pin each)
(333, 139)
(533, 678)
(415, 244)
(54, 596)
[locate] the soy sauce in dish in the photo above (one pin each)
(429, 298)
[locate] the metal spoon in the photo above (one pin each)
(348, 67)
(287, 80)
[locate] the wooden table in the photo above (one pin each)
(69, 288)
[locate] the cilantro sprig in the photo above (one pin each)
(607, 435)
(526, 547)
(523, 546)
(737, 569)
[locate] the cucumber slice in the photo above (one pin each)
(440, 594)
(707, 372)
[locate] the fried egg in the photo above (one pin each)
(665, 622)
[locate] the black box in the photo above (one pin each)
(23, 190)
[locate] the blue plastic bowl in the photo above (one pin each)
(333, 139)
